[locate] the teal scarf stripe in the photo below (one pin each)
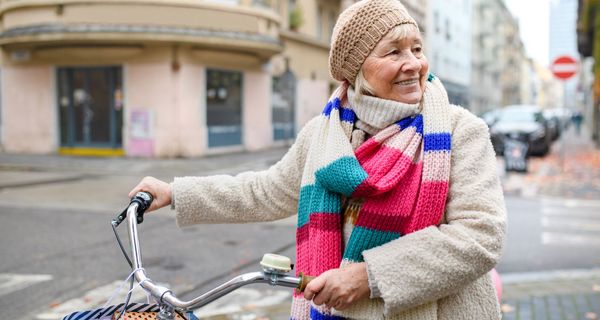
(364, 239)
(343, 175)
(315, 198)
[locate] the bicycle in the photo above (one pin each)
(168, 306)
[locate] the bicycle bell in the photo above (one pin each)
(274, 263)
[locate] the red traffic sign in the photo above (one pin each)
(564, 67)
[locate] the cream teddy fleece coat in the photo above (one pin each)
(435, 273)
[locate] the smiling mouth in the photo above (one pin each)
(407, 82)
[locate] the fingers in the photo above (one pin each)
(339, 288)
(160, 191)
(313, 287)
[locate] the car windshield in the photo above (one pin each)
(518, 116)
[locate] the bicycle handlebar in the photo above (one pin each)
(165, 296)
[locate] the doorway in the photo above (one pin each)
(90, 101)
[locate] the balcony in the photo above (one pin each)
(251, 27)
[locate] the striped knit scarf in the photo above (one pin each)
(401, 172)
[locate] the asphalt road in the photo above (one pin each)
(53, 256)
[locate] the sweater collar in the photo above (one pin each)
(375, 114)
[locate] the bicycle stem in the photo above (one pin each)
(166, 296)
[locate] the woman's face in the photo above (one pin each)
(397, 69)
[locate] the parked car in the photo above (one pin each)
(490, 117)
(524, 123)
(553, 123)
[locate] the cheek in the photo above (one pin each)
(424, 67)
(424, 72)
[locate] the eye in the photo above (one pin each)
(393, 52)
(417, 49)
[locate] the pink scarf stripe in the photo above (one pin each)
(426, 205)
(388, 168)
(441, 173)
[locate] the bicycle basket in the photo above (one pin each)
(134, 311)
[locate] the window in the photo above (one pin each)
(90, 101)
(283, 95)
(224, 107)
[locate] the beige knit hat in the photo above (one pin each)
(358, 30)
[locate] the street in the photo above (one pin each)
(60, 255)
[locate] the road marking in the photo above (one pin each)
(570, 212)
(10, 282)
(248, 301)
(569, 239)
(578, 224)
(571, 203)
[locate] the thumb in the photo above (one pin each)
(313, 287)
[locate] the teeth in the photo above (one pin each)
(407, 82)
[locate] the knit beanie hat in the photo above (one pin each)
(358, 30)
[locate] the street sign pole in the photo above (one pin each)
(563, 68)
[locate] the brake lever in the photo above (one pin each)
(144, 200)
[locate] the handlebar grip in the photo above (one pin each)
(144, 200)
(304, 280)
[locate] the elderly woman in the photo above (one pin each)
(400, 210)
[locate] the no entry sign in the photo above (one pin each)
(564, 67)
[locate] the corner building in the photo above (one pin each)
(160, 78)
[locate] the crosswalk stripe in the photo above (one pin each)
(578, 224)
(10, 282)
(571, 213)
(565, 221)
(569, 239)
(571, 203)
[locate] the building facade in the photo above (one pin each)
(160, 78)
(449, 46)
(498, 57)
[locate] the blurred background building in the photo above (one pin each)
(163, 78)
(449, 46)
(588, 45)
(187, 78)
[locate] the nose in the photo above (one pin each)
(411, 64)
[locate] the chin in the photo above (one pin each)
(409, 99)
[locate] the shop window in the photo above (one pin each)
(283, 96)
(224, 107)
(90, 103)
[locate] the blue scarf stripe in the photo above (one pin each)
(343, 175)
(363, 239)
(346, 115)
(437, 142)
(315, 199)
(416, 122)
(316, 315)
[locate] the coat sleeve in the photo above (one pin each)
(247, 197)
(437, 261)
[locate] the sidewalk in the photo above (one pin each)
(571, 170)
(573, 294)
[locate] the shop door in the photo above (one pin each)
(91, 107)
(224, 108)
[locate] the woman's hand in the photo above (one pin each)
(339, 288)
(160, 190)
